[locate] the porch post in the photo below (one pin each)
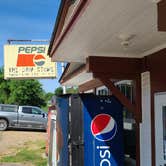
(145, 126)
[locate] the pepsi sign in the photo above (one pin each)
(103, 131)
(103, 127)
(28, 61)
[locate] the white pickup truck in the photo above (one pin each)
(30, 117)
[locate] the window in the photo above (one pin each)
(127, 90)
(27, 110)
(103, 91)
(36, 111)
(8, 108)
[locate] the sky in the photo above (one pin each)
(28, 19)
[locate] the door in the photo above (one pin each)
(25, 117)
(32, 117)
(76, 131)
(160, 128)
(39, 118)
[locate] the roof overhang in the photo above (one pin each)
(122, 29)
(129, 30)
(85, 75)
(75, 74)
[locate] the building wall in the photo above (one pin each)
(156, 64)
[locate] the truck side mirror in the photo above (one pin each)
(44, 115)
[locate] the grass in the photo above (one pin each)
(31, 153)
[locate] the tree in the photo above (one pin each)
(48, 96)
(27, 92)
(58, 91)
(70, 90)
(21, 92)
(4, 88)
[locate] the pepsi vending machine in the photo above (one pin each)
(95, 131)
(103, 131)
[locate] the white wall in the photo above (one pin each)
(145, 126)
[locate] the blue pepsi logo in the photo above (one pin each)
(103, 127)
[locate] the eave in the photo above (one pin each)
(64, 6)
(142, 25)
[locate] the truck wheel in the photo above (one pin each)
(3, 124)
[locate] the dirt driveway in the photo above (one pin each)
(12, 140)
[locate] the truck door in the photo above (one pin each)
(32, 117)
(40, 119)
(26, 117)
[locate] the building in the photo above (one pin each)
(105, 42)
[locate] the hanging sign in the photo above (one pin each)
(28, 61)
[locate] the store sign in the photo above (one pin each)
(28, 61)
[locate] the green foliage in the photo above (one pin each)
(26, 92)
(21, 92)
(58, 91)
(70, 90)
(48, 96)
(4, 88)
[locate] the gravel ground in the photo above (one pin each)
(12, 140)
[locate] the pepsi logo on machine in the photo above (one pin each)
(103, 127)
